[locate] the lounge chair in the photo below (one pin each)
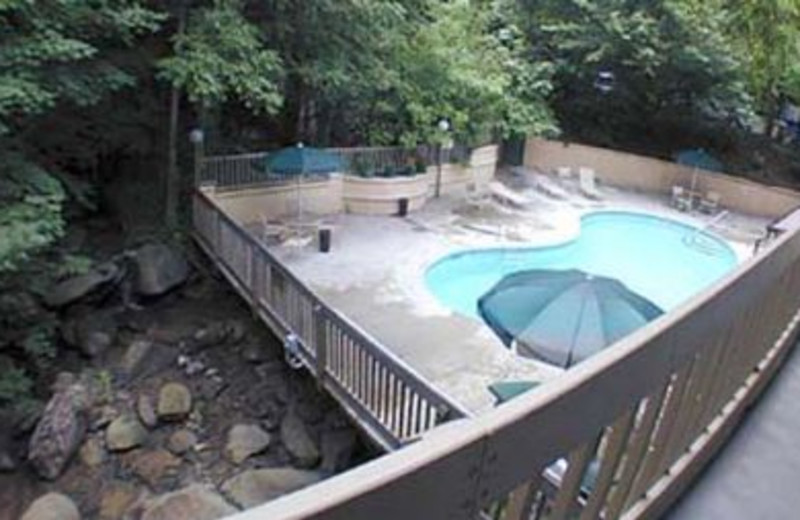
(587, 184)
(710, 203)
(549, 187)
(503, 194)
(680, 199)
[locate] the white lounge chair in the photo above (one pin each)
(549, 187)
(503, 194)
(587, 184)
(680, 200)
(710, 203)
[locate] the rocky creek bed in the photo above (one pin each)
(171, 402)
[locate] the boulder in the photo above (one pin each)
(245, 440)
(116, 499)
(125, 432)
(52, 506)
(253, 487)
(146, 411)
(337, 449)
(174, 401)
(92, 453)
(181, 441)
(152, 465)
(91, 333)
(76, 287)
(196, 502)
(59, 432)
(158, 268)
(298, 442)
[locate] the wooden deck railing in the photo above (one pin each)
(393, 403)
(642, 417)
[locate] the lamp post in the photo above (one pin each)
(197, 138)
(443, 125)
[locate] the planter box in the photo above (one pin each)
(381, 196)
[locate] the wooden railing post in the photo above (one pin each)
(320, 344)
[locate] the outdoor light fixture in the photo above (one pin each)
(444, 126)
(196, 136)
(604, 82)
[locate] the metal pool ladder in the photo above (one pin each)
(692, 239)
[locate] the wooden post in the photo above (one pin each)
(320, 344)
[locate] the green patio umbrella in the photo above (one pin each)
(563, 317)
(298, 161)
(698, 158)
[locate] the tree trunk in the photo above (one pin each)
(173, 174)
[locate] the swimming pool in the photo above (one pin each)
(661, 259)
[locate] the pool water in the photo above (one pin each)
(663, 260)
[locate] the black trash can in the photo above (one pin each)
(324, 240)
(402, 207)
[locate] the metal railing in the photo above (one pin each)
(228, 171)
(389, 399)
(642, 417)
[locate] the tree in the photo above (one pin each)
(219, 58)
(768, 34)
(54, 56)
(674, 68)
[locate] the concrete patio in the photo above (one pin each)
(375, 274)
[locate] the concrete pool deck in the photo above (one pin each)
(375, 275)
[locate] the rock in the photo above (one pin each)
(145, 410)
(298, 442)
(116, 500)
(337, 449)
(210, 335)
(59, 432)
(195, 502)
(211, 387)
(7, 462)
(158, 268)
(245, 440)
(152, 465)
(125, 432)
(174, 401)
(91, 334)
(103, 417)
(181, 441)
(253, 487)
(52, 506)
(254, 353)
(237, 330)
(75, 288)
(143, 358)
(92, 453)
(311, 410)
(135, 354)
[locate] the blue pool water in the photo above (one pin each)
(662, 260)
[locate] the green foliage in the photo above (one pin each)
(672, 62)
(220, 57)
(30, 211)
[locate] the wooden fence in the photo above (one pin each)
(390, 400)
(632, 425)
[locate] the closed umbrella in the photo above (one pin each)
(563, 317)
(298, 161)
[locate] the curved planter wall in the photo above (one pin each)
(381, 196)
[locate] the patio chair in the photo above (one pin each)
(710, 203)
(564, 174)
(680, 199)
(587, 184)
